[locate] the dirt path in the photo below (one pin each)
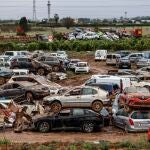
(108, 134)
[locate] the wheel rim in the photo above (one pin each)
(29, 97)
(97, 106)
(88, 127)
(44, 127)
(56, 107)
(41, 71)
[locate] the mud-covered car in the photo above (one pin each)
(23, 91)
(136, 97)
(53, 87)
(83, 119)
(52, 61)
(80, 97)
(34, 66)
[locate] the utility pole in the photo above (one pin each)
(125, 14)
(34, 10)
(49, 8)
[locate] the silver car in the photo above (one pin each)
(80, 97)
(135, 121)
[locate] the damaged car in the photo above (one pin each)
(52, 86)
(23, 90)
(83, 97)
(34, 66)
(83, 119)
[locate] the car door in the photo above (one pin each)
(72, 98)
(15, 91)
(88, 94)
(118, 118)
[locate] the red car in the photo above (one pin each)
(148, 134)
(136, 97)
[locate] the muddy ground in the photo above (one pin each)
(111, 134)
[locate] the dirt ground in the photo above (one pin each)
(110, 133)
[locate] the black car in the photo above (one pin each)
(34, 66)
(23, 90)
(83, 119)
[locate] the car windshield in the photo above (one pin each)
(141, 90)
(82, 65)
(141, 115)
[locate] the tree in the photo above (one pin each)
(56, 18)
(23, 26)
(68, 22)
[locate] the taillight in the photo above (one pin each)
(131, 122)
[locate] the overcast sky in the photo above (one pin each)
(14, 9)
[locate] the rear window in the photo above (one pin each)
(82, 65)
(109, 56)
(141, 115)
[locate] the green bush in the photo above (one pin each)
(81, 45)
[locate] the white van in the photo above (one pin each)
(100, 55)
(12, 53)
(120, 81)
(112, 59)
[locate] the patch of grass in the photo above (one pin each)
(5, 141)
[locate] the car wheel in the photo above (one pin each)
(29, 97)
(88, 127)
(55, 68)
(41, 71)
(56, 107)
(44, 127)
(97, 106)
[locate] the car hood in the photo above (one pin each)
(138, 95)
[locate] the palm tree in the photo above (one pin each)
(56, 18)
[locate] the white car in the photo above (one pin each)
(100, 55)
(73, 63)
(82, 67)
(90, 35)
(84, 96)
(62, 54)
(4, 61)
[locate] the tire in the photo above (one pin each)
(55, 68)
(88, 127)
(44, 127)
(97, 106)
(41, 71)
(56, 107)
(29, 97)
